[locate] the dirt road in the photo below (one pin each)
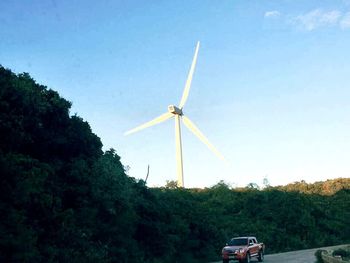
(300, 256)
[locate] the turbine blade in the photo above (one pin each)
(190, 125)
(155, 121)
(189, 79)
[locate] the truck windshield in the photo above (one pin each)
(238, 242)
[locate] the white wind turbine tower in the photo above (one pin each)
(177, 112)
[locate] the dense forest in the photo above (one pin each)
(62, 199)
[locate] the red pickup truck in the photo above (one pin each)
(243, 249)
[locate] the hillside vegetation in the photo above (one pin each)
(62, 199)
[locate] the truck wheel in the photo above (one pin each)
(247, 259)
(225, 260)
(261, 256)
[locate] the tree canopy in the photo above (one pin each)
(62, 199)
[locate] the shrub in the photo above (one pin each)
(341, 252)
(318, 255)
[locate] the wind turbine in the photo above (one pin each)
(177, 113)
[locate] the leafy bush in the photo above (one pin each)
(318, 255)
(341, 252)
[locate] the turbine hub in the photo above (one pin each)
(175, 110)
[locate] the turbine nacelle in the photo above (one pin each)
(175, 110)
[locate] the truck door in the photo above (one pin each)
(253, 247)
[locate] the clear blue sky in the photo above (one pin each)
(270, 91)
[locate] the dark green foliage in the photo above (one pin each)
(63, 200)
(344, 253)
(318, 255)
